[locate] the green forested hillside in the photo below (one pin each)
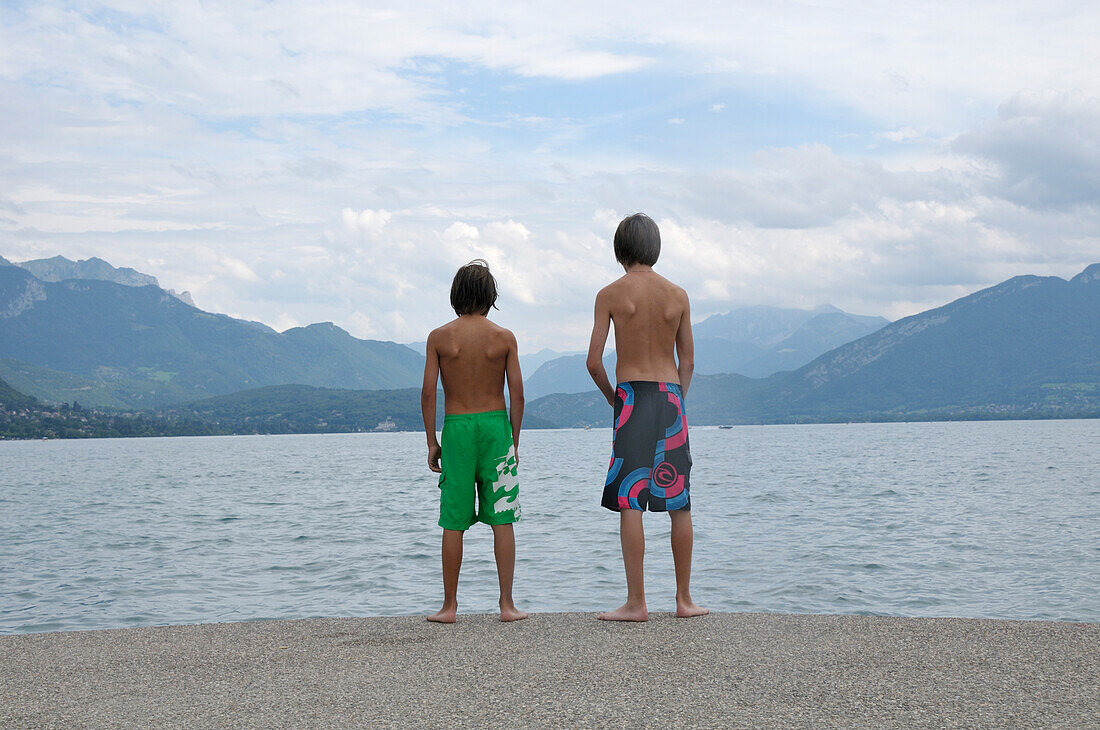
(303, 409)
(55, 386)
(24, 417)
(11, 399)
(270, 410)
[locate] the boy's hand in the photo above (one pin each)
(433, 458)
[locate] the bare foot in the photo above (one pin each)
(444, 615)
(689, 609)
(512, 614)
(626, 612)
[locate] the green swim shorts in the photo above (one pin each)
(478, 460)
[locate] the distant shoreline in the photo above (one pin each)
(732, 670)
(805, 422)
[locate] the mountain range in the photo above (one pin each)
(753, 341)
(60, 268)
(1028, 347)
(759, 341)
(111, 337)
(130, 346)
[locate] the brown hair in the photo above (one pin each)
(637, 240)
(474, 290)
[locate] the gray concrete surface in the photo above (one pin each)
(559, 670)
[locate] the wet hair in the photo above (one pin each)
(474, 290)
(637, 240)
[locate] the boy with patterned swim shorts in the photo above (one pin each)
(650, 462)
(477, 462)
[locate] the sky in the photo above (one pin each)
(294, 162)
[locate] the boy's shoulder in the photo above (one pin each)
(625, 284)
(613, 289)
(442, 330)
(671, 287)
(457, 329)
(502, 332)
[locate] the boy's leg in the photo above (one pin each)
(683, 537)
(504, 547)
(452, 562)
(498, 501)
(456, 506)
(632, 537)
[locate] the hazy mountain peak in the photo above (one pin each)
(1090, 274)
(60, 268)
(5, 262)
(321, 330)
(1006, 288)
(183, 296)
(765, 326)
(827, 309)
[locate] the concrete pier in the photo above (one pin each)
(559, 670)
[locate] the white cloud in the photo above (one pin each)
(369, 222)
(903, 134)
(298, 162)
(238, 269)
(459, 231)
(1044, 149)
(284, 322)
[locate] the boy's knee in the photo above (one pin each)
(504, 528)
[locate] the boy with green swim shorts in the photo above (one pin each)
(477, 462)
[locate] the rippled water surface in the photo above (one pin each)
(926, 519)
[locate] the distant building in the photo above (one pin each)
(387, 425)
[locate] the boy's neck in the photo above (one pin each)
(637, 268)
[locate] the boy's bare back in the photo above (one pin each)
(478, 459)
(652, 322)
(473, 355)
(650, 465)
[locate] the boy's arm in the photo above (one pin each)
(427, 401)
(515, 389)
(685, 348)
(600, 329)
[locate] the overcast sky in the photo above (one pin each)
(295, 162)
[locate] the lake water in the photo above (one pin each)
(987, 519)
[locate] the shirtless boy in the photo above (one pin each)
(650, 462)
(478, 476)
